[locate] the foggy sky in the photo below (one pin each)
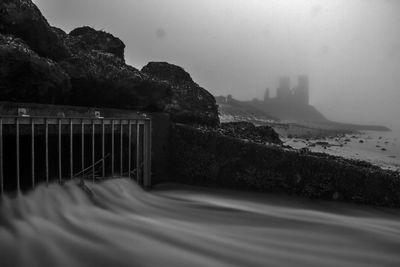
(349, 48)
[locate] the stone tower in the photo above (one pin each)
(284, 92)
(302, 90)
(266, 96)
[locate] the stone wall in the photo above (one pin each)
(205, 157)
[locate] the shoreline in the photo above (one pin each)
(378, 147)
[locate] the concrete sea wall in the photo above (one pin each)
(204, 157)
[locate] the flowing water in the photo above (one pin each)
(116, 223)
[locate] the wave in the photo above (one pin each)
(116, 223)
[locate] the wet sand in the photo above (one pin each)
(119, 224)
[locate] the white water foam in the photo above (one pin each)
(119, 224)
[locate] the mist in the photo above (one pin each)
(349, 49)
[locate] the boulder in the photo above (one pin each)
(189, 103)
(27, 77)
(23, 19)
(100, 78)
(99, 40)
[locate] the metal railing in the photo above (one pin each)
(134, 143)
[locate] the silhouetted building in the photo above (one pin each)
(284, 91)
(296, 96)
(301, 92)
(266, 96)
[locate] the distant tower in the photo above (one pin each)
(302, 90)
(266, 96)
(284, 92)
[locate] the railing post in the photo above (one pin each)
(121, 169)
(59, 152)
(150, 134)
(1, 158)
(93, 150)
(47, 150)
(129, 147)
(147, 154)
(112, 148)
(71, 149)
(33, 151)
(103, 149)
(17, 151)
(83, 147)
(138, 172)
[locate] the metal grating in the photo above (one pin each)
(133, 154)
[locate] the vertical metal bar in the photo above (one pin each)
(47, 150)
(59, 151)
(71, 149)
(112, 148)
(145, 153)
(17, 151)
(83, 147)
(129, 148)
(121, 149)
(93, 151)
(138, 179)
(103, 149)
(33, 151)
(1, 157)
(149, 147)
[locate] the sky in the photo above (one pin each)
(350, 49)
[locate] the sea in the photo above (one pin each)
(117, 223)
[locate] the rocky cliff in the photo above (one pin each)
(188, 103)
(86, 67)
(27, 77)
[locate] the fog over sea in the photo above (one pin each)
(116, 223)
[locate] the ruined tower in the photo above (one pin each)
(284, 92)
(302, 90)
(266, 96)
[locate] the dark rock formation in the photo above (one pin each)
(98, 40)
(95, 71)
(189, 103)
(92, 60)
(248, 131)
(166, 71)
(26, 77)
(208, 158)
(23, 19)
(104, 80)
